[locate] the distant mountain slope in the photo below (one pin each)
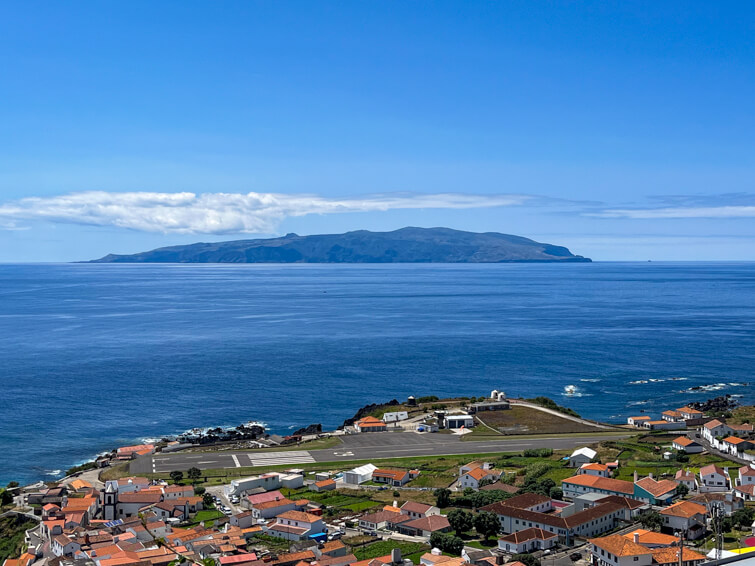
(407, 245)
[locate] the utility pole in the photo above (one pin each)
(681, 547)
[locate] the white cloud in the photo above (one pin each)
(220, 213)
(678, 212)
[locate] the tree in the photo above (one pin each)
(487, 524)
(447, 543)
(176, 476)
(396, 494)
(743, 517)
(12, 484)
(652, 521)
(526, 559)
(682, 490)
(556, 493)
(207, 500)
(194, 474)
(442, 497)
(460, 520)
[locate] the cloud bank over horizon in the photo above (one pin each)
(219, 213)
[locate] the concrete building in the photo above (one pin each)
(582, 456)
(359, 475)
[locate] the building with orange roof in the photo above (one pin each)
(663, 425)
(672, 416)
(688, 413)
(584, 483)
(652, 539)
(656, 492)
(79, 485)
(474, 478)
(685, 516)
(129, 452)
(324, 485)
(686, 478)
(270, 509)
(370, 424)
(713, 478)
(617, 550)
(395, 478)
(637, 421)
(670, 556)
(595, 469)
(687, 445)
(295, 525)
(528, 540)
(735, 445)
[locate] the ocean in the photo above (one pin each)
(96, 356)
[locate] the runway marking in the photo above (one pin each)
(236, 460)
(280, 458)
(343, 454)
(207, 462)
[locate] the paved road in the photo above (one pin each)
(357, 447)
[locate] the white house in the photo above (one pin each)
(686, 478)
(528, 540)
(687, 445)
(735, 445)
(595, 469)
(296, 525)
(417, 510)
(475, 477)
(582, 456)
(637, 421)
(359, 475)
(270, 509)
(746, 476)
(268, 482)
(715, 429)
(617, 550)
(686, 517)
(64, 546)
(713, 478)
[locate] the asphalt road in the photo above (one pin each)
(356, 447)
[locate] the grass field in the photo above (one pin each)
(525, 420)
(383, 548)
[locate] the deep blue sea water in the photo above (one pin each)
(92, 356)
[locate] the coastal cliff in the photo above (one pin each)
(407, 245)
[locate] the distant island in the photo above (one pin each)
(407, 245)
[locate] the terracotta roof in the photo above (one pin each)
(594, 466)
(526, 500)
(746, 471)
(672, 413)
(416, 507)
(273, 504)
(325, 483)
(393, 474)
(651, 537)
(741, 427)
(711, 469)
(597, 482)
(299, 516)
(657, 488)
(734, 440)
(746, 489)
(640, 418)
(710, 425)
(295, 556)
(554, 520)
(683, 441)
(670, 555)
(685, 475)
(480, 473)
(332, 545)
(689, 410)
(685, 509)
(528, 534)
(619, 545)
(430, 523)
(627, 502)
(263, 497)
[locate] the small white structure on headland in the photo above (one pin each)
(496, 395)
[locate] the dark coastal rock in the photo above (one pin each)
(716, 405)
(366, 410)
(307, 430)
(407, 245)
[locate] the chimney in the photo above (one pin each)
(650, 475)
(635, 475)
(499, 559)
(636, 538)
(396, 556)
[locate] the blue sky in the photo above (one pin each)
(621, 130)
